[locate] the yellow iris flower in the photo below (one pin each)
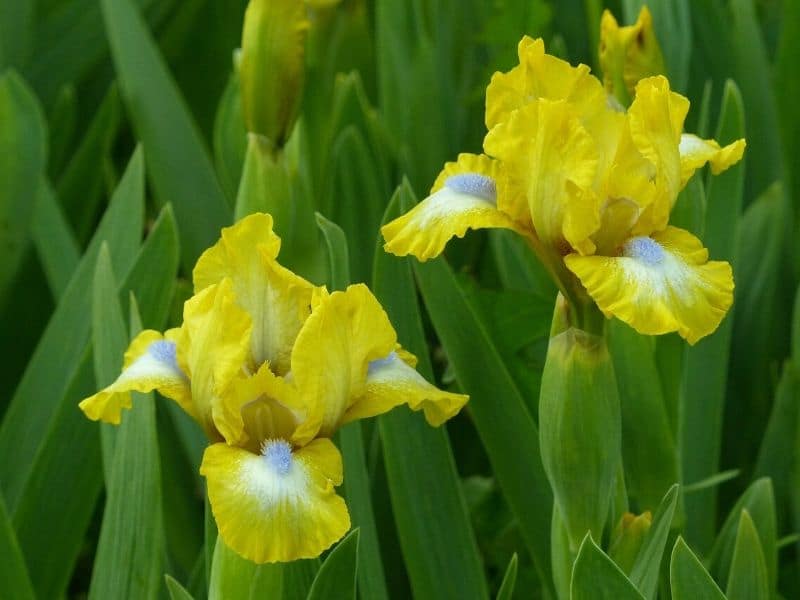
(591, 187)
(270, 366)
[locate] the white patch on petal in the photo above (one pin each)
(656, 270)
(393, 369)
(261, 480)
(691, 144)
(447, 203)
(158, 363)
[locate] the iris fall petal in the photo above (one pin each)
(465, 196)
(392, 382)
(280, 506)
(660, 284)
(150, 364)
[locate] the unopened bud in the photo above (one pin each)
(271, 66)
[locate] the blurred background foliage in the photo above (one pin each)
(123, 151)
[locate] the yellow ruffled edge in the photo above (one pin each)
(541, 76)
(213, 350)
(345, 332)
(143, 373)
(244, 242)
(695, 152)
(656, 119)
(552, 159)
(266, 516)
(683, 293)
(393, 381)
(426, 229)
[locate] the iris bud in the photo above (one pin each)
(271, 67)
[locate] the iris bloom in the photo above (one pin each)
(271, 366)
(591, 187)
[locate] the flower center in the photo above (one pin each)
(473, 184)
(278, 455)
(645, 249)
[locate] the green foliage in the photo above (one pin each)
(122, 154)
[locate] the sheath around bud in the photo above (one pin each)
(579, 428)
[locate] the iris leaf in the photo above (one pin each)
(438, 544)
(178, 163)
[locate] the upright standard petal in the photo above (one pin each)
(392, 381)
(150, 364)
(279, 505)
(696, 152)
(656, 120)
(466, 195)
(552, 159)
(276, 299)
(345, 332)
(540, 75)
(239, 250)
(661, 283)
(214, 349)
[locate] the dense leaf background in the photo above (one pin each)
(122, 154)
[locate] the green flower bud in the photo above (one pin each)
(579, 429)
(271, 66)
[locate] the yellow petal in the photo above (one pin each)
(540, 75)
(213, 349)
(660, 284)
(277, 506)
(550, 155)
(696, 152)
(150, 364)
(276, 299)
(344, 333)
(628, 187)
(656, 120)
(391, 382)
(238, 250)
(465, 196)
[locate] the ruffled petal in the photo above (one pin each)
(660, 284)
(239, 250)
(540, 75)
(466, 195)
(150, 364)
(392, 382)
(696, 152)
(550, 155)
(276, 299)
(277, 506)
(213, 349)
(345, 332)
(656, 120)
